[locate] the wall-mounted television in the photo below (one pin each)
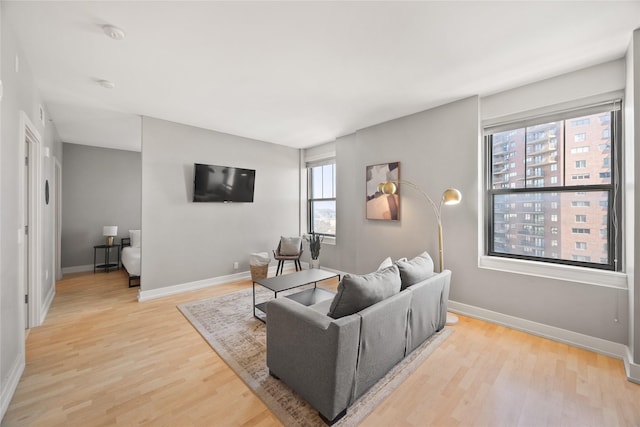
(213, 183)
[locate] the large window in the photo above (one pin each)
(322, 198)
(560, 202)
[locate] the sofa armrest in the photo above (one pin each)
(313, 354)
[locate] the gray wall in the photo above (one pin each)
(100, 186)
(184, 241)
(437, 149)
(19, 95)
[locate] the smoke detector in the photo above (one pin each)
(107, 84)
(113, 32)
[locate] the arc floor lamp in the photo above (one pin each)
(450, 196)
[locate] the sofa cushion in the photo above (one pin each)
(415, 270)
(322, 306)
(358, 292)
(290, 245)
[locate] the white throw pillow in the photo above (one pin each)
(385, 263)
(135, 238)
(290, 245)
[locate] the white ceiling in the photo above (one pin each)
(295, 73)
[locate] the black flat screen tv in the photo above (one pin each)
(213, 183)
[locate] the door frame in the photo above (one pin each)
(29, 133)
(57, 238)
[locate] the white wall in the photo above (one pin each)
(19, 95)
(437, 149)
(186, 242)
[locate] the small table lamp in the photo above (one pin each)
(110, 231)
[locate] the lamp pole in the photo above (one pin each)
(449, 196)
(437, 210)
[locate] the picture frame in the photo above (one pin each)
(380, 206)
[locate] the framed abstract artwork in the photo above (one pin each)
(379, 205)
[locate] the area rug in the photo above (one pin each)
(228, 325)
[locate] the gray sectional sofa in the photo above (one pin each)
(332, 352)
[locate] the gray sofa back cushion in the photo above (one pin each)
(415, 270)
(358, 292)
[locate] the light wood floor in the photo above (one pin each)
(101, 359)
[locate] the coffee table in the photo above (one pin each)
(295, 280)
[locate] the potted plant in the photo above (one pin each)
(315, 241)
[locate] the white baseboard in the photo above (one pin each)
(632, 369)
(199, 284)
(48, 300)
(9, 388)
(77, 269)
(597, 345)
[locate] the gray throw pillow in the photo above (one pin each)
(415, 270)
(290, 245)
(356, 293)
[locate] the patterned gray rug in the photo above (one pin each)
(228, 325)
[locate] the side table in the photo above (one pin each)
(107, 259)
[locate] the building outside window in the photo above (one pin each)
(321, 178)
(584, 189)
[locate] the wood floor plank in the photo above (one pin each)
(102, 359)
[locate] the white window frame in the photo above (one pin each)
(588, 276)
(330, 238)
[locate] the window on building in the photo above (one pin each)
(581, 230)
(580, 176)
(580, 122)
(540, 149)
(321, 178)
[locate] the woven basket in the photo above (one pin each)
(259, 271)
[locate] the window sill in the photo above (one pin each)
(329, 241)
(610, 279)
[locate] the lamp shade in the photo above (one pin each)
(451, 196)
(110, 230)
(388, 187)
